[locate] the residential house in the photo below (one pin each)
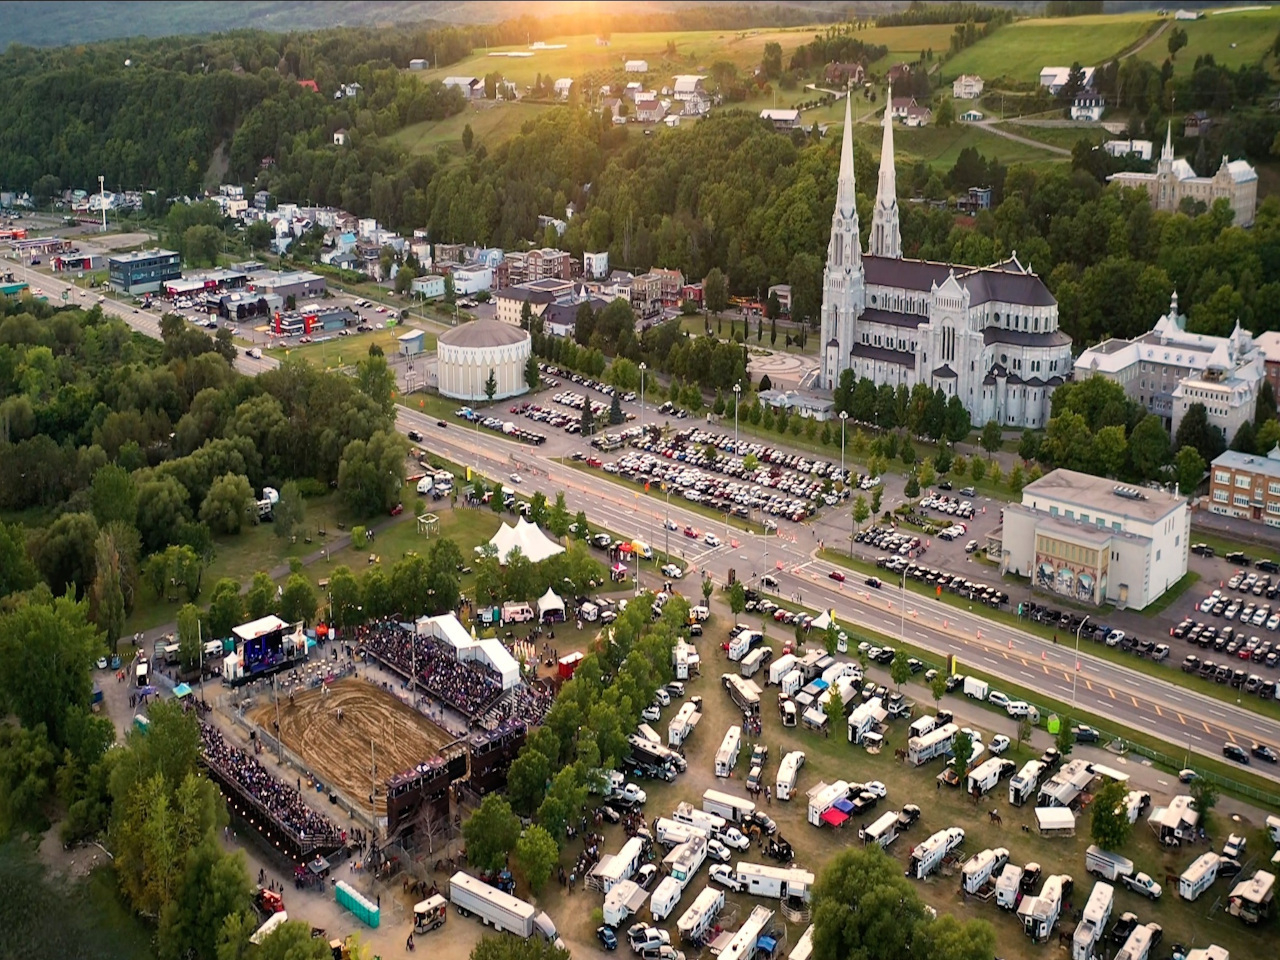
(471, 278)
(595, 266)
(347, 90)
(783, 292)
(650, 111)
(846, 74)
(918, 116)
(511, 301)
(542, 263)
(1055, 78)
(967, 86)
(633, 90)
(471, 87)
(430, 287)
(671, 283)
(545, 221)
(417, 63)
(1246, 486)
(449, 253)
(1143, 149)
(688, 86)
(1088, 106)
(695, 106)
(978, 198)
(635, 66)
(563, 87)
(899, 107)
(340, 137)
(646, 294)
(692, 293)
(782, 119)
(1197, 124)
(898, 73)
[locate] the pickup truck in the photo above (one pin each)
(1143, 884)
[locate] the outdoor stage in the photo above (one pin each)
(340, 751)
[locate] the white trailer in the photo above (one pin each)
(1175, 822)
(272, 922)
(792, 681)
(1025, 782)
(761, 880)
(922, 726)
(499, 910)
(701, 915)
(803, 950)
(1107, 865)
(1251, 900)
(682, 724)
(687, 813)
(672, 833)
(882, 832)
(613, 869)
(739, 647)
(975, 688)
(823, 797)
(734, 809)
(744, 693)
(685, 660)
(752, 662)
(1139, 944)
(1009, 887)
(980, 868)
(927, 855)
(1039, 914)
(781, 667)
(648, 733)
(665, 898)
(864, 719)
(935, 743)
(683, 862)
(742, 945)
(1198, 877)
(727, 755)
(1093, 922)
(1063, 789)
(623, 901)
(846, 669)
(984, 777)
(788, 774)
(1273, 829)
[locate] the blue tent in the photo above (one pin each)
(182, 690)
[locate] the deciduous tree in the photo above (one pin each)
(1109, 824)
(491, 833)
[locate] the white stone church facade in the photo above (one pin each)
(988, 335)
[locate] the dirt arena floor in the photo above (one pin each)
(402, 737)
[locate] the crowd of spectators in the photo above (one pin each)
(281, 801)
(470, 687)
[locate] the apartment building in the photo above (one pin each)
(1246, 486)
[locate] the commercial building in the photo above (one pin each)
(1247, 486)
(471, 278)
(467, 354)
(1169, 369)
(1094, 541)
(1174, 181)
(144, 271)
(428, 288)
(299, 285)
(411, 342)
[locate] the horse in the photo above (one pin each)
(993, 816)
(900, 756)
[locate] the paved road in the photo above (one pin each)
(1187, 720)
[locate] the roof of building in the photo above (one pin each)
(1025, 338)
(904, 358)
(1269, 343)
(913, 320)
(945, 372)
(1005, 282)
(137, 256)
(1267, 466)
(483, 333)
(1085, 490)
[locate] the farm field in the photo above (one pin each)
(1020, 49)
(491, 122)
(1233, 37)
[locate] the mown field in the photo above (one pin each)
(1020, 49)
(1065, 137)
(491, 123)
(1233, 37)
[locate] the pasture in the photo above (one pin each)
(491, 123)
(1020, 49)
(1234, 37)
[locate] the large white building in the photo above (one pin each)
(467, 354)
(1174, 180)
(1169, 369)
(988, 335)
(1094, 541)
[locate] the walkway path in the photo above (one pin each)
(989, 125)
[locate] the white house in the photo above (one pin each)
(782, 119)
(595, 266)
(1055, 78)
(428, 287)
(636, 66)
(688, 86)
(1123, 148)
(899, 107)
(1088, 106)
(471, 87)
(339, 137)
(563, 86)
(650, 110)
(918, 116)
(966, 87)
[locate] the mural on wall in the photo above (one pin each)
(1074, 580)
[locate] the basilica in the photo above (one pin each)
(988, 335)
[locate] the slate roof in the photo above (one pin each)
(903, 358)
(1024, 338)
(874, 315)
(1004, 282)
(945, 372)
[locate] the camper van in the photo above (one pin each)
(1009, 887)
(981, 867)
(1093, 922)
(727, 755)
(708, 822)
(788, 773)
(1199, 876)
(1252, 900)
(882, 832)
(665, 898)
(1025, 782)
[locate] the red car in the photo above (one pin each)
(836, 575)
(397, 509)
(594, 462)
(691, 533)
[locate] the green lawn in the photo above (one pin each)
(1234, 38)
(1019, 50)
(343, 351)
(1224, 545)
(1171, 674)
(1065, 137)
(491, 123)
(731, 324)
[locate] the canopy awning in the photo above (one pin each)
(182, 690)
(550, 603)
(843, 805)
(834, 817)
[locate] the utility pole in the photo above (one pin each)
(102, 197)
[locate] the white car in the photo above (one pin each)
(1207, 604)
(1114, 638)
(999, 744)
(651, 713)
(733, 837)
(633, 794)
(102, 663)
(672, 571)
(718, 851)
(672, 525)
(877, 788)
(998, 699)
(722, 874)
(516, 478)
(662, 697)
(711, 540)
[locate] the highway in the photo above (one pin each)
(1188, 721)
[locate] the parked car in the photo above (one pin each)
(999, 744)
(607, 937)
(1086, 734)
(722, 874)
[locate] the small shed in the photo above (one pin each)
(1056, 821)
(411, 342)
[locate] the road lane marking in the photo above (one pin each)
(1218, 713)
(1231, 736)
(1206, 727)
(1111, 692)
(1159, 712)
(1181, 719)
(1134, 699)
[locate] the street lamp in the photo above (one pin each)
(1075, 675)
(643, 367)
(844, 415)
(737, 396)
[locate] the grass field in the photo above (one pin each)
(1234, 37)
(491, 122)
(342, 351)
(1020, 49)
(1065, 137)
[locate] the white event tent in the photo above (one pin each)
(535, 545)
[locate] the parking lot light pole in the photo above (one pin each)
(844, 416)
(737, 397)
(1075, 673)
(643, 367)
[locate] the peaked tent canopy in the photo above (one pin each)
(550, 603)
(535, 545)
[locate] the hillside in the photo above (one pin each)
(1234, 37)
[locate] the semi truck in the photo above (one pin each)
(788, 774)
(499, 910)
(1093, 921)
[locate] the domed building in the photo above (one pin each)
(466, 354)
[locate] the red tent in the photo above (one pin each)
(834, 817)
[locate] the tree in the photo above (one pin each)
(715, 293)
(189, 635)
(991, 438)
(835, 709)
(962, 749)
(1189, 468)
(491, 833)
(491, 386)
(513, 948)
(860, 510)
(226, 608)
(377, 381)
(228, 503)
(1109, 825)
(1110, 450)
(900, 669)
(261, 598)
(912, 487)
(1023, 731)
(1205, 794)
(371, 473)
(106, 595)
(214, 885)
(298, 601)
(864, 907)
(1245, 440)
(615, 412)
(938, 689)
(201, 245)
(708, 588)
(292, 940)
(977, 469)
(1177, 40)
(537, 854)
(1065, 740)
(289, 512)
(1029, 447)
(558, 517)
(737, 598)
(531, 374)
(113, 496)
(588, 426)
(946, 114)
(956, 423)
(468, 138)
(1148, 448)
(1196, 431)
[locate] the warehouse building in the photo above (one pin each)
(1095, 541)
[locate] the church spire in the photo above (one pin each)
(846, 205)
(1167, 152)
(886, 237)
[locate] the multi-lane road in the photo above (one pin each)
(1189, 722)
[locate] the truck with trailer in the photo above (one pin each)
(682, 724)
(1199, 876)
(788, 774)
(1252, 900)
(981, 867)
(730, 747)
(1009, 887)
(882, 832)
(823, 797)
(762, 880)
(1093, 921)
(928, 855)
(1024, 784)
(744, 693)
(935, 743)
(1117, 869)
(984, 777)
(780, 667)
(1140, 943)
(502, 911)
(697, 921)
(1039, 914)
(752, 662)
(733, 809)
